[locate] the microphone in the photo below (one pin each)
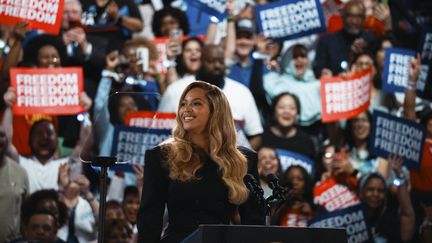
(254, 187)
(279, 192)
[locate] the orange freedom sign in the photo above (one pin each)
(43, 15)
(150, 119)
(343, 98)
(47, 90)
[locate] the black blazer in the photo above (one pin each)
(189, 204)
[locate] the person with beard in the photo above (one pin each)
(332, 53)
(239, 96)
(43, 164)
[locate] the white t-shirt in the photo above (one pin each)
(42, 176)
(239, 97)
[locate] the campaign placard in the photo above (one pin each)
(396, 66)
(394, 135)
(426, 47)
(288, 158)
(353, 219)
(422, 80)
(130, 144)
(43, 15)
(345, 98)
(332, 195)
(52, 91)
(289, 19)
(212, 7)
(151, 119)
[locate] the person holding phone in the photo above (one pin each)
(198, 174)
(186, 63)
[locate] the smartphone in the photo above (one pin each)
(142, 55)
(75, 169)
(176, 35)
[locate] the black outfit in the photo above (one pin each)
(191, 203)
(385, 226)
(101, 26)
(300, 143)
(333, 48)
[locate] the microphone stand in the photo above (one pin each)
(104, 162)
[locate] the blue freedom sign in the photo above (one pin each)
(394, 135)
(130, 144)
(425, 50)
(353, 219)
(396, 65)
(426, 46)
(212, 7)
(288, 158)
(289, 19)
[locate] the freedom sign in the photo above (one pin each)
(426, 46)
(43, 15)
(345, 98)
(289, 19)
(396, 65)
(288, 158)
(394, 135)
(353, 219)
(212, 7)
(52, 91)
(151, 119)
(332, 195)
(130, 144)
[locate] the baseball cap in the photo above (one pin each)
(245, 25)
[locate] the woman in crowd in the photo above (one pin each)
(357, 134)
(283, 132)
(198, 173)
(388, 225)
(187, 63)
(169, 18)
(296, 212)
(268, 163)
(298, 78)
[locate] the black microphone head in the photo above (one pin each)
(248, 178)
(273, 181)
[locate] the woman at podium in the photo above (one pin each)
(198, 173)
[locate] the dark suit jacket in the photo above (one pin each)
(201, 201)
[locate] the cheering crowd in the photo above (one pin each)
(139, 55)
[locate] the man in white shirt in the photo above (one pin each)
(240, 98)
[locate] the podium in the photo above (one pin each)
(264, 234)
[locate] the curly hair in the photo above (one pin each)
(31, 49)
(183, 157)
(35, 202)
(173, 12)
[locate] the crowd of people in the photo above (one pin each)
(170, 56)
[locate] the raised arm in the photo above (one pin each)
(410, 92)
(7, 122)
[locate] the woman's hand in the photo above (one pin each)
(85, 101)
(112, 60)
(63, 174)
(10, 97)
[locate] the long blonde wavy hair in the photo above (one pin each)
(183, 157)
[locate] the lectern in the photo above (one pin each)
(264, 234)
